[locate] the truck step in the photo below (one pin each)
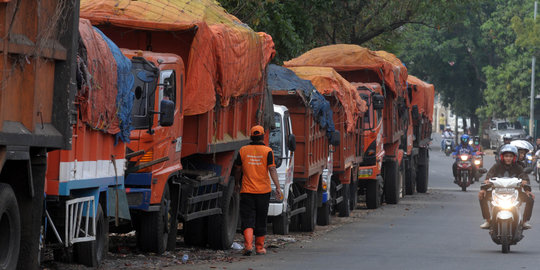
(204, 197)
(209, 212)
(198, 175)
(300, 198)
(298, 211)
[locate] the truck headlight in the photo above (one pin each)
(365, 173)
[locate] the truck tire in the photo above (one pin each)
(344, 208)
(10, 228)
(391, 182)
(222, 228)
(308, 219)
(374, 192)
(354, 194)
(154, 227)
(280, 224)
(422, 179)
(323, 214)
(196, 232)
(93, 253)
(410, 177)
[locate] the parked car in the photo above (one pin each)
(498, 128)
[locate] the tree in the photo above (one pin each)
(298, 26)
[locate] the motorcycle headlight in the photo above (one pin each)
(505, 201)
(477, 162)
(464, 157)
(529, 157)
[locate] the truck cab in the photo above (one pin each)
(282, 142)
(370, 170)
(155, 149)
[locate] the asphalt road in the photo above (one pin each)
(437, 230)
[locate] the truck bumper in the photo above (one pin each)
(368, 172)
(275, 209)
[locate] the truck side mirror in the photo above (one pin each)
(166, 118)
(335, 138)
(292, 143)
(378, 102)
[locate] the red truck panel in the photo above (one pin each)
(89, 159)
(32, 53)
(311, 152)
(349, 151)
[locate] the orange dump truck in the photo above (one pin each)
(421, 95)
(347, 110)
(300, 140)
(85, 185)
(379, 174)
(38, 43)
(199, 88)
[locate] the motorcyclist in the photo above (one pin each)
(447, 135)
(476, 144)
(523, 148)
(507, 138)
(462, 148)
(507, 167)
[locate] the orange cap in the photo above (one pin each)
(257, 130)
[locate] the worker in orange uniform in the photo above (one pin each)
(255, 161)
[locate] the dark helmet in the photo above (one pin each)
(464, 139)
(476, 140)
(508, 148)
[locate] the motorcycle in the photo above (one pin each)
(478, 161)
(464, 171)
(448, 149)
(506, 216)
(529, 160)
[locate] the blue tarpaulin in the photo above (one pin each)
(124, 98)
(280, 78)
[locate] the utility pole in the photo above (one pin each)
(531, 117)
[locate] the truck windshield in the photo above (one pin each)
(276, 139)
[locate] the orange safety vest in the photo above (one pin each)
(255, 165)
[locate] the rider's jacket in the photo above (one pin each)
(502, 170)
(460, 149)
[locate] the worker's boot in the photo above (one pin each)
(248, 242)
(259, 245)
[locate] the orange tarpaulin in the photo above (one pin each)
(328, 82)
(223, 56)
(423, 97)
(347, 57)
(98, 91)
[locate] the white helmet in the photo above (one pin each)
(522, 145)
(507, 136)
(508, 148)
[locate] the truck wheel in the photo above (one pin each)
(354, 194)
(154, 227)
(280, 224)
(93, 253)
(323, 214)
(10, 228)
(196, 232)
(344, 208)
(410, 177)
(391, 182)
(422, 179)
(374, 192)
(295, 192)
(308, 219)
(222, 228)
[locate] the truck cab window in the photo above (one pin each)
(276, 139)
(167, 85)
